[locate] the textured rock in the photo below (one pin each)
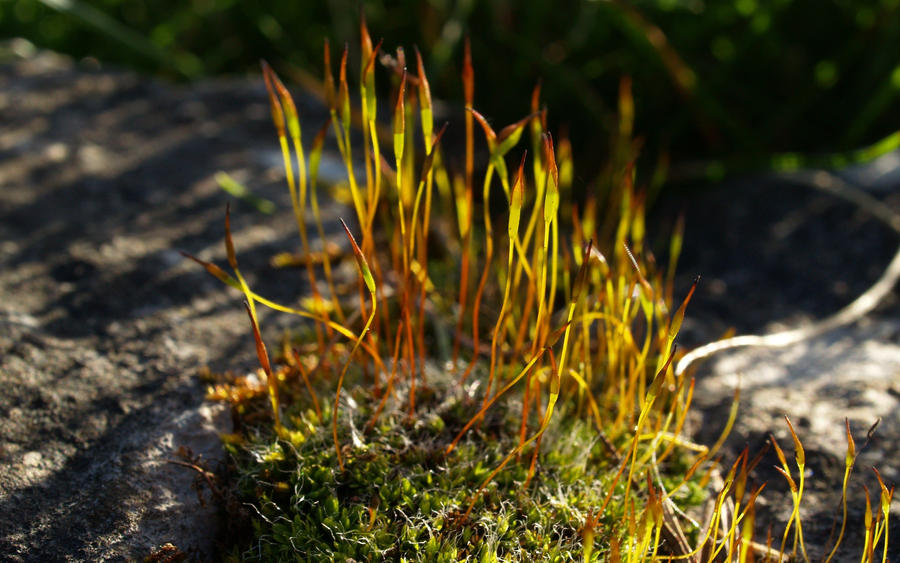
(103, 325)
(776, 255)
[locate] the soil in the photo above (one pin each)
(104, 326)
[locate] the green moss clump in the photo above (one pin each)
(401, 498)
(554, 416)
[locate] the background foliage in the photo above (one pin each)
(711, 79)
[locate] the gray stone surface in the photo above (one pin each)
(104, 176)
(779, 255)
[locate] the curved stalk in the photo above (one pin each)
(370, 285)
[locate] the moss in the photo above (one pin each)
(569, 433)
(400, 497)
(564, 445)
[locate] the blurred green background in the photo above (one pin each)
(737, 81)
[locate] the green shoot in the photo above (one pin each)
(366, 275)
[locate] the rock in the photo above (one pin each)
(103, 325)
(776, 255)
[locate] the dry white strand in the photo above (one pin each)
(860, 307)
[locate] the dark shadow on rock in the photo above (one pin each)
(771, 252)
